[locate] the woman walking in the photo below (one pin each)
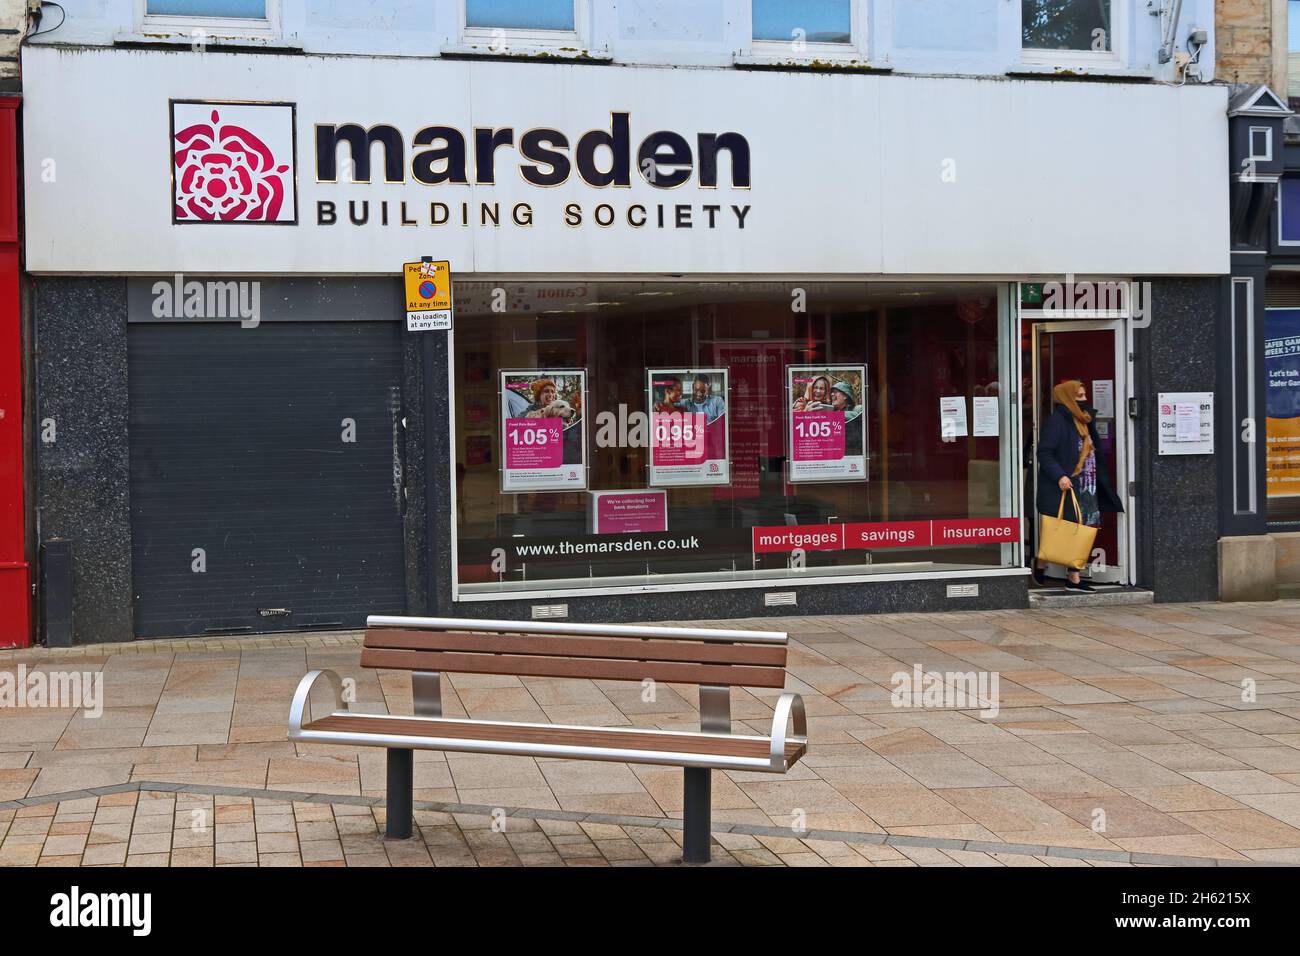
(1069, 457)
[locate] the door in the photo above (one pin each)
(266, 476)
(1092, 352)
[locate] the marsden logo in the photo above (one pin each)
(233, 162)
(543, 157)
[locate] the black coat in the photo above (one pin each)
(1058, 452)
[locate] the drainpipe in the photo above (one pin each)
(1170, 33)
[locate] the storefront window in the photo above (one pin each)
(653, 433)
(1282, 397)
(1066, 25)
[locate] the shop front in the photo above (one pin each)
(733, 441)
(724, 343)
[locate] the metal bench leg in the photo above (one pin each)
(401, 781)
(695, 839)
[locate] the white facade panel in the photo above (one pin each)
(851, 174)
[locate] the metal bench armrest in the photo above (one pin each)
(788, 704)
(301, 695)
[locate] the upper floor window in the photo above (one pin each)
(520, 15)
(246, 9)
(803, 21)
(807, 32)
(1070, 29)
(221, 17)
(525, 26)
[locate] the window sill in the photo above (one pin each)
(569, 52)
(176, 39)
(1080, 71)
(837, 63)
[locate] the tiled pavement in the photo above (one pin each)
(1155, 734)
(183, 828)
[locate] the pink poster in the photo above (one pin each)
(543, 434)
(689, 442)
(756, 416)
(534, 443)
(827, 422)
(626, 512)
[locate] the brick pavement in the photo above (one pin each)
(1144, 735)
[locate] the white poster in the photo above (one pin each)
(689, 437)
(1186, 421)
(543, 436)
(986, 416)
(826, 429)
(1103, 397)
(952, 417)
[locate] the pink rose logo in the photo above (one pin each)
(226, 173)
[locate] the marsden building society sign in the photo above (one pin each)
(550, 168)
(235, 162)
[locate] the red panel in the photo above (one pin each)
(808, 537)
(15, 589)
(888, 534)
(976, 531)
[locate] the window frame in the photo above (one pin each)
(524, 40)
(779, 51)
(267, 27)
(1115, 57)
(1011, 487)
(1251, 155)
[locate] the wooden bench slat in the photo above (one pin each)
(524, 665)
(692, 652)
(717, 745)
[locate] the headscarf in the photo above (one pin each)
(808, 390)
(1064, 394)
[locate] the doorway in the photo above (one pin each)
(1094, 353)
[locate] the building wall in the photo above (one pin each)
(1251, 41)
(1178, 523)
(13, 21)
(971, 37)
(83, 466)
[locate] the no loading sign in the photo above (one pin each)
(428, 295)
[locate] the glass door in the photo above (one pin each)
(1093, 353)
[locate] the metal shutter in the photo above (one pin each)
(237, 448)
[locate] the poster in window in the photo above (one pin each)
(543, 433)
(689, 439)
(1282, 402)
(827, 424)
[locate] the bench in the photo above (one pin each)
(716, 660)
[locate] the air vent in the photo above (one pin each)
(963, 590)
(550, 610)
(778, 598)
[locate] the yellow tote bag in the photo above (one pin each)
(1066, 542)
